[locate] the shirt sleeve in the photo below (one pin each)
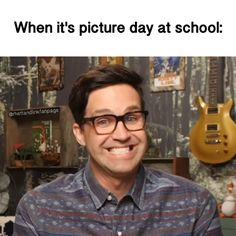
(24, 217)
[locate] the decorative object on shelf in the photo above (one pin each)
(111, 60)
(167, 73)
(51, 156)
(23, 156)
(228, 207)
(47, 130)
(42, 134)
(51, 73)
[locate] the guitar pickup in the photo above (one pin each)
(212, 135)
(212, 110)
(212, 141)
(212, 127)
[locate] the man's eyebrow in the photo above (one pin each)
(132, 108)
(101, 112)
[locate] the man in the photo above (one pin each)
(114, 194)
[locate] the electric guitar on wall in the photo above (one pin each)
(213, 137)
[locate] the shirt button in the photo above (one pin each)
(109, 198)
(119, 233)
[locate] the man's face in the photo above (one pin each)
(118, 153)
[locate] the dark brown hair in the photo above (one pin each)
(98, 78)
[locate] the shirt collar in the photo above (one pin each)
(99, 194)
(138, 189)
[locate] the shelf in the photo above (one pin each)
(157, 160)
(42, 129)
(41, 167)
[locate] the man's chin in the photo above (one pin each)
(124, 170)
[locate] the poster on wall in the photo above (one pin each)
(111, 60)
(50, 73)
(166, 73)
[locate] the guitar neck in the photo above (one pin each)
(216, 74)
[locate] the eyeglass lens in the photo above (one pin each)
(107, 124)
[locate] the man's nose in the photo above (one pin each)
(120, 132)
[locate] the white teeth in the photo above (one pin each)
(119, 150)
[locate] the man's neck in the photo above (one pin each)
(117, 184)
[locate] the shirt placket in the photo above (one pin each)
(111, 210)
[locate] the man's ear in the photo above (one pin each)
(79, 135)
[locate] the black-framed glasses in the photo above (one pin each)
(106, 124)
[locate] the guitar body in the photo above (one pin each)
(213, 137)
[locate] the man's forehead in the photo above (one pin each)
(98, 112)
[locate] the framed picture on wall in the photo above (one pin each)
(167, 73)
(111, 60)
(50, 73)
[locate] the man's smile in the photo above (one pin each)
(120, 150)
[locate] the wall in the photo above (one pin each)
(172, 114)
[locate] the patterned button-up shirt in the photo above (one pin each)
(158, 204)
